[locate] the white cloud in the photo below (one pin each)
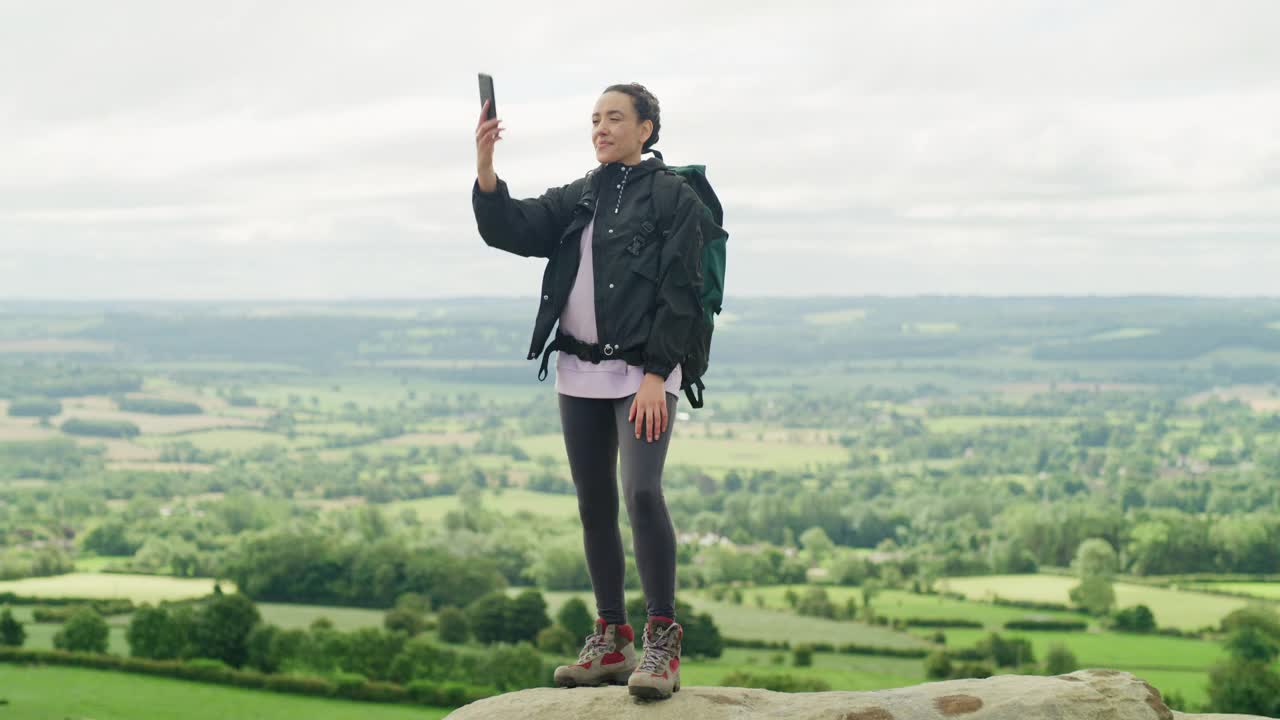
(320, 149)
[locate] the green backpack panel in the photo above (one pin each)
(714, 237)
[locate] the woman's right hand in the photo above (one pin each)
(488, 133)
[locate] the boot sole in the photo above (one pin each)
(652, 693)
(616, 679)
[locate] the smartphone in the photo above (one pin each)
(486, 93)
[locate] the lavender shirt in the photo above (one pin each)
(583, 378)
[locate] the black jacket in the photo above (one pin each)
(648, 275)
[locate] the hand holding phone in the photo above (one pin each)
(486, 93)
(488, 133)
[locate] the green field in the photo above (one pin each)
(902, 604)
(1264, 590)
(43, 693)
(1172, 608)
(741, 452)
(290, 615)
(751, 623)
(1124, 651)
(843, 672)
(138, 588)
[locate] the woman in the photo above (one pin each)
(625, 294)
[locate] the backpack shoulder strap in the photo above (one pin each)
(663, 198)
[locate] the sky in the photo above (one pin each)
(324, 150)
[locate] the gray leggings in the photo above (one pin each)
(594, 431)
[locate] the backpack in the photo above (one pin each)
(711, 265)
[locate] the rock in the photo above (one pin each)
(1093, 694)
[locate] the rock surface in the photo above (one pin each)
(1093, 694)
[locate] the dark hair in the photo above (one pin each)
(646, 106)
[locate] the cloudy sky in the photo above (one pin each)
(209, 150)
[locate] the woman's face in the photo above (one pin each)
(615, 134)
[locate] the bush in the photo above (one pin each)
(1244, 686)
(153, 633)
(100, 428)
(1060, 660)
(972, 670)
(406, 621)
(1134, 619)
(940, 622)
(816, 603)
(526, 617)
(937, 666)
(802, 655)
(452, 626)
(557, 640)
(1258, 615)
(35, 407)
(85, 631)
(1006, 652)
(214, 671)
(1046, 624)
(487, 617)
(12, 633)
(776, 682)
(515, 667)
(422, 659)
(575, 617)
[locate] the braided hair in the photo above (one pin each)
(646, 107)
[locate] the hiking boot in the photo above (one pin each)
(658, 674)
(608, 656)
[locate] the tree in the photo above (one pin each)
(152, 633)
(1095, 558)
(262, 643)
(84, 631)
(370, 650)
(110, 538)
(815, 602)
(1256, 615)
(1244, 686)
(575, 617)
(222, 630)
(12, 633)
(451, 625)
(1246, 682)
(526, 617)
(1250, 643)
(1094, 594)
(487, 617)
(557, 640)
(816, 543)
(561, 566)
(406, 621)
